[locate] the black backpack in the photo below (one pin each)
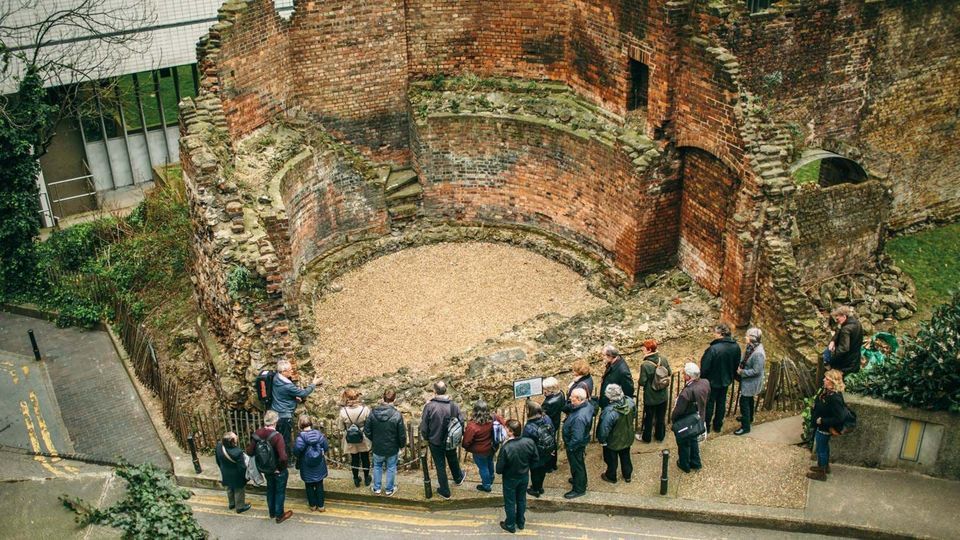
(263, 387)
(546, 440)
(353, 434)
(264, 455)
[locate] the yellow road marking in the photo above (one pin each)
(44, 433)
(26, 370)
(32, 434)
(13, 375)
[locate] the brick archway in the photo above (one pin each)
(709, 194)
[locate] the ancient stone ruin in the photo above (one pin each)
(624, 139)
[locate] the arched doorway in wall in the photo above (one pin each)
(826, 169)
(709, 189)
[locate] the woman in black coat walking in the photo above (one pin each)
(233, 471)
(828, 414)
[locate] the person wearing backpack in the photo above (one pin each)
(615, 433)
(269, 451)
(829, 411)
(514, 462)
(311, 450)
(286, 396)
(553, 403)
(441, 426)
(540, 429)
(655, 377)
(750, 373)
(387, 434)
(353, 417)
(616, 372)
(480, 438)
(233, 471)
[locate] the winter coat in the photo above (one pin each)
(531, 430)
(435, 417)
(585, 382)
(751, 380)
(478, 438)
(285, 395)
(648, 373)
(576, 427)
(615, 429)
(385, 430)
(692, 399)
(720, 362)
(353, 413)
(279, 446)
(307, 439)
(553, 406)
(616, 373)
(848, 342)
(517, 457)
(830, 408)
(233, 474)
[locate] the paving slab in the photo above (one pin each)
(784, 431)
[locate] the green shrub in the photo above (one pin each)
(153, 507)
(78, 311)
(925, 372)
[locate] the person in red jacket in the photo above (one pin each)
(478, 440)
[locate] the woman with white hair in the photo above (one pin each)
(750, 374)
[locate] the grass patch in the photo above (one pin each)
(932, 259)
(808, 174)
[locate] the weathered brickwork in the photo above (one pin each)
(838, 228)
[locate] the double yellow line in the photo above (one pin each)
(36, 424)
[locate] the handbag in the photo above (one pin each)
(689, 426)
(253, 474)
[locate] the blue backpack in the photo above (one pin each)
(313, 454)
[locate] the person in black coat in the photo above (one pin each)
(233, 471)
(827, 415)
(844, 350)
(617, 372)
(516, 457)
(718, 365)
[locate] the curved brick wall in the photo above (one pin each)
(476, 168)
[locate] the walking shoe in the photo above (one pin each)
(442, 496)
(367, 480)
(684, 469)
(534, 493)
(483, 488)
(231, 507)
(284, 516)
(390, 492)
(741, 431)
(825, 469)
(605, 478)
(243, 508)
(521, 526)
(503, 525)
(627, 480)
(356, 481)
(573, 494)
(321, 509)
(819, 474)
(375, 491)
(462, 478)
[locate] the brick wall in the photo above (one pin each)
(329, 202)
(708, 189)
(478, 168)
(838, 228)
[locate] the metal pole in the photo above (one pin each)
(427, 487)
(33, 342)
(663, 472)
(193, 453)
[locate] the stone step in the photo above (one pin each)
(400, 179)
(412, 191)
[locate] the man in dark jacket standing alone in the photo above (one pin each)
(718, 365)
(692, 400)
(617, 372)
(576, 435)
(233, 471)
(516, 457)
(434, 424)
(844, 350)
(384, 427)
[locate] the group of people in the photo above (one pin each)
(523, 454)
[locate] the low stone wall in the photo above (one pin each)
(881, 438)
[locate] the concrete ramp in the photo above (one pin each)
(784, 431)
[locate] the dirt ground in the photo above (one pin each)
(412, 308)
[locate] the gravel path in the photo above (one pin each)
(412, 308)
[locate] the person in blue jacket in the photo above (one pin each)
(286, 396)
(576, 435)
(311, 450)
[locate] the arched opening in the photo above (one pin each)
(826, 169)
(708, 198)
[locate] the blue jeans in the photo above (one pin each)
(379, 462)
(485, 465)
(515, 501)
(822, 441)
(276, 492)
